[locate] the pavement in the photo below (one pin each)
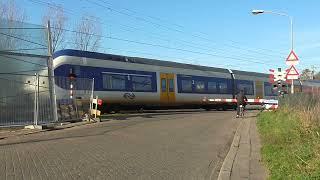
(244, 160)
(175, 145)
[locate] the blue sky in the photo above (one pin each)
(219, 33)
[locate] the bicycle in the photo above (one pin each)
(241, 110)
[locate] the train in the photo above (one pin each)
(135, 82)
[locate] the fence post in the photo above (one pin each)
(91, 96)
(52, 91)
(36, 99)
(95, 114)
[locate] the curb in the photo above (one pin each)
(226, 168)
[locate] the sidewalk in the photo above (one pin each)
(243, 160)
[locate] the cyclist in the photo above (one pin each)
(241, 100)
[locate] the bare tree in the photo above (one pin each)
(11, 15)
(306, 74)
(58, 19)
(317, 76)
(9, 10)
(88, 34)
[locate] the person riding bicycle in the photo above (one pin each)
(241, 100)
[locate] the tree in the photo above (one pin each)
(9, 10)
(88, 34)
(317, 76)
(58, 19)
(11, 15)
(306, 74)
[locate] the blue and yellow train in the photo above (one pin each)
(123, 81)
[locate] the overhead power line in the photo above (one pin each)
(167, 27)
(19, 72)
(32, 28)
(178, 25)
(17, 59)
(24, 49)
(15, 37)
(130, 28)
(162, 46)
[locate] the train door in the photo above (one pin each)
(167, 93)
(259, 89)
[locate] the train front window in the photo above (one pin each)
(114, 81)
(164, 85)
(141, 83)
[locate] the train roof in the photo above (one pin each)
(139, 60)
(256, 74)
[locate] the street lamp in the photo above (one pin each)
(257, 12)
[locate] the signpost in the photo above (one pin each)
(292, 59)
(292, 73)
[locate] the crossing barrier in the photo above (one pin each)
(269, 104)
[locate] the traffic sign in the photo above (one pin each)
(292, 73)
(292, 59)
(271, 76)
(99, 102)
(280, 75)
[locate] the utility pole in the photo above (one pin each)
(313, 67)
(52, 91)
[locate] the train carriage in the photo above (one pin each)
(138, 82)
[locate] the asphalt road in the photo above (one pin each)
(181, 145)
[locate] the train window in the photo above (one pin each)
(163, 84)
(247, 87)
(223, 87)
(199, 86)
(141, 83)
(114, 81)
(268, 90)
(171, 85)
(186, 85)
(212, 87)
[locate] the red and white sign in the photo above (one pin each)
(271, 76)
(292, 73)
(99, 102)
(277, 75)
(292, 59)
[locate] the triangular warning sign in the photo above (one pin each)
(292, 71)
(292, 56)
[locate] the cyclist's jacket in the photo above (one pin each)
(241, 98)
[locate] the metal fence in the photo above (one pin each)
(23, 99)
(73, 97)
(23, 52)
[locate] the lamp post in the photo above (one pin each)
(257, 12)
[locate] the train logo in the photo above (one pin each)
(129, 96)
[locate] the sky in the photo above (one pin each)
(203, 32)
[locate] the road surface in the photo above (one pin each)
(175, 145)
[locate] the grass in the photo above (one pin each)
(291, 139)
